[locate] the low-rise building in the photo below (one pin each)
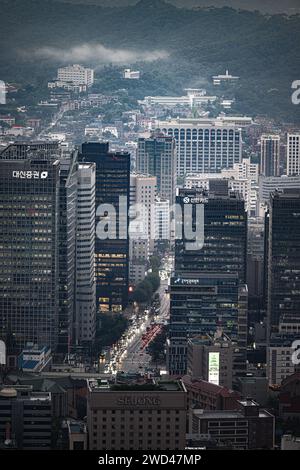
(25, 418)
(244, 429)
(211, 358)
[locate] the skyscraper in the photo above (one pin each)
(111, 254)
(293, 154)
(270, 155)
(67, 249)
(205, 145)
(225, 234)
(208, 289)
(85, 317)
(201, 303)
(282, 257)
(29, 238)
(156, 156)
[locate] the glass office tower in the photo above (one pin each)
(225, 234)
(112, 254)
(29, 234)
(282, 257)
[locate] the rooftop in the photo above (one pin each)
(136, 386)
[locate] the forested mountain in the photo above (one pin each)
(191, 45)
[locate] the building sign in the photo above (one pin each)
(195, 200)
(139, 401)
(187, 282)
(214, 367)
(28, 174)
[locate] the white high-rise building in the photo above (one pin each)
(293, 154)
(276, 183)
(206, 145)
(76, 74)
(143, 191)
(85, 323)
(242, 178)
(162, 220)
(141, 231)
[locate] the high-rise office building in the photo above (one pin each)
(111, 254)
(293, 154)
(200, 304)
(282, 257)
(225, 233)
(205, 145)
(85, 319)
(270, 155)
(67, 249)
(29, 241)
(156, 156)
(208, 288)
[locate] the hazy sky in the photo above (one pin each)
(272, 6)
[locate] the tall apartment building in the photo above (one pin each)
(156, 156)
(293, 154)
(270, 155)
(205, 145)
(111, 254)
(76, 74)
(282, 257)
(85, 317)
(29, 244)
(136, 416)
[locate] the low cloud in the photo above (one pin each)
(97, 53)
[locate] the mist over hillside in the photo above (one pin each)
(266, 6)
(175, 47)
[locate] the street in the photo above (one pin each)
(130, 355)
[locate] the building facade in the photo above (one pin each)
(76, 74)
(25, 419)
(146, 416)
(282, 257)
(204, 145)
(156, 156)
(111, 249)
(270, 155)
(224, 229)
(293, 154)
(248, 428)
(85, 322)
(29, 245)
